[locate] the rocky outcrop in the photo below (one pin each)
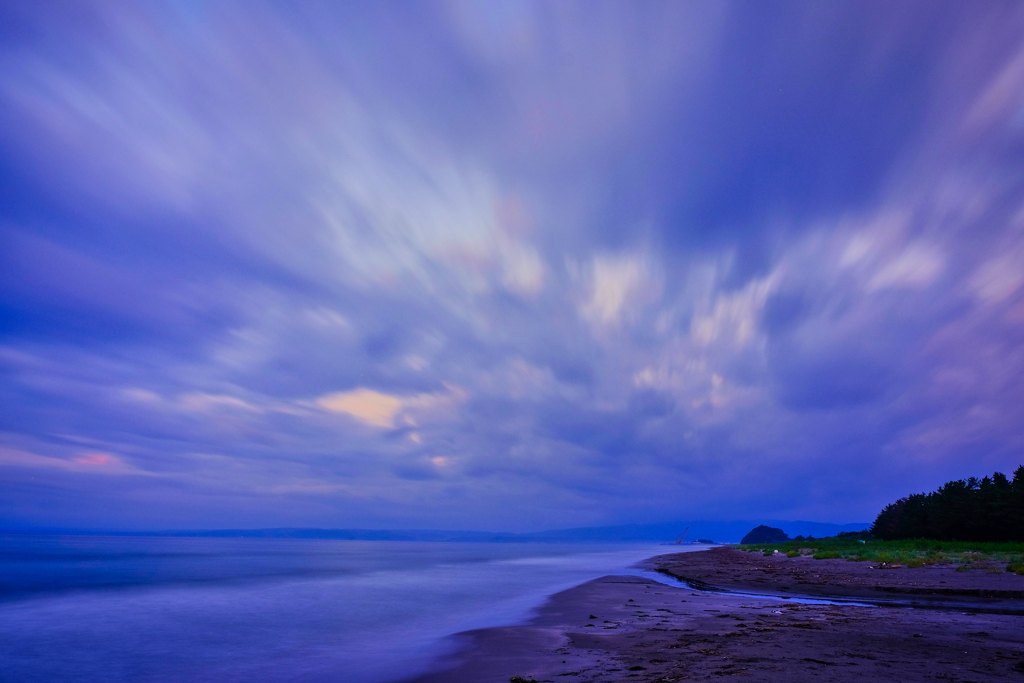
(765, 534)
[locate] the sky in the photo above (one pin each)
(505, 266)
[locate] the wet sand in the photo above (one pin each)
(987, 585)
(626, 628)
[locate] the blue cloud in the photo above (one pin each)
(515, 267)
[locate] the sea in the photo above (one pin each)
(80, 609)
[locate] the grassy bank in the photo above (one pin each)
(909, 553)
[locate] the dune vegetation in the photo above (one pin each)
(972, 523)
(913, 553)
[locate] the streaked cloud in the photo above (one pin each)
(86, 461)
(617, 285)
(505, 265)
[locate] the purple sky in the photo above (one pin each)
(505, 266)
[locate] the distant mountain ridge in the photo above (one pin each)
(721, 532)
(664, 532)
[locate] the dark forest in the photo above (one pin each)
(988, 509)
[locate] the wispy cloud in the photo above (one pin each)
(505, 265)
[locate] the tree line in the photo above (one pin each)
(987, 509)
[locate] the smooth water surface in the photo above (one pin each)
(78, 608)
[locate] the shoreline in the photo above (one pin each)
(630, 628)
(989, 590)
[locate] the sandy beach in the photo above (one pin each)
(966, 626)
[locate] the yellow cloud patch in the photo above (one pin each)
(371, 407)
(384, 410)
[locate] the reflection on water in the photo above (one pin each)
(211, 609)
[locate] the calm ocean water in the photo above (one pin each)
(77, 609)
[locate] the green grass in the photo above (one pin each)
(911, 553)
